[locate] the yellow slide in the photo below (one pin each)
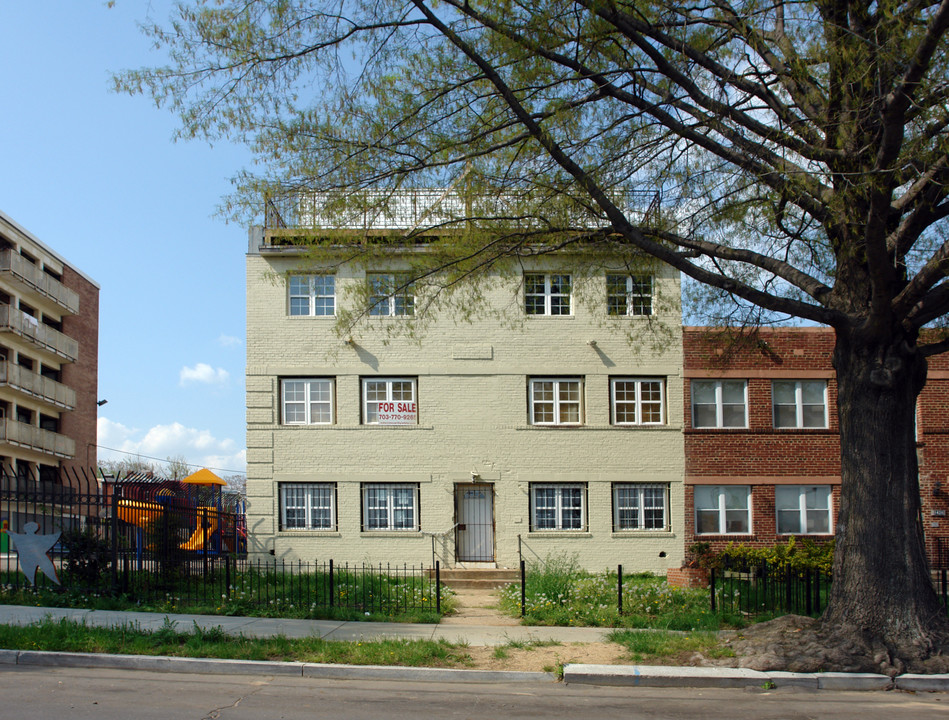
(206, 515)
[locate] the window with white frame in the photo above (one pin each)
(389, 401)
(547, 294)
(307, 401)
(307, 506)
(640, 506)
(722, 509)
(390, 506)
(799, 403)
(312, 295)
(719, 403)
(803, 509)
(638, 401)
(556, 401)
(390, 294)
(629, 294)
(558, 506)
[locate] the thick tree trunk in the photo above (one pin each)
(882, 589)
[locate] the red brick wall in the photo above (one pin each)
(82, 375)
(753, 455)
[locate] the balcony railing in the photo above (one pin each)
(13, 432)
(21, 270)
(27, 381)
(28, 327)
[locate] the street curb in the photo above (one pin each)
(923, 683)
(208, 666)
(663, 676)
(702, 677)
(454, 675)
(576, 673)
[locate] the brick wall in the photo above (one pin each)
(82, 375)
(472, 390)
(763, 457)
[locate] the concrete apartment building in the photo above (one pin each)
(49, 332)
(550, 422)
(762, 444)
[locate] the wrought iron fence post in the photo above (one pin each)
(711, 586)
(619, 589)
(115, 539)
(788, 597)
(523, 588)
(807, 592)
(438, 587)
(332, 585)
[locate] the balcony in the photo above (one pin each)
(22, 273)
(28, 382)
(31, 437)
(42, 336)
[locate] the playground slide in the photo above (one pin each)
(197, 540)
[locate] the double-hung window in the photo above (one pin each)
(547, 294)
(389, 401)
(556, 401)
(640, 506)
(390, 506)
(803, 509)
(307, 506)
(719, 403)
(629, 294)
(390, 294)
(638, 401)
(722, 509)
(312, 295)
(799, 403)
(307, 401)
(558, 506)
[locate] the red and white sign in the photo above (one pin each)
(396, 413)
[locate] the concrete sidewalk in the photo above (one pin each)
(482, 635)
(487, 635)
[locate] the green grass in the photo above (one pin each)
(71, 636)
(558, 593)
(666, 647)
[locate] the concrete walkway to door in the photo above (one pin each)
(478, 606)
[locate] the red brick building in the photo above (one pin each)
(762, 444)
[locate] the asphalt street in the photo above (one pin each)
(45, 693)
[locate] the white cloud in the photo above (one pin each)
(198, 447)
(229, 341)
(203, 373)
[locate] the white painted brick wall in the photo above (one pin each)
(473, 417)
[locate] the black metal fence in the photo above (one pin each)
(165, 544)
(768, 590)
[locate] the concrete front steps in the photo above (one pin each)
(478, 578)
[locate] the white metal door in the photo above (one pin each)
(475, 508)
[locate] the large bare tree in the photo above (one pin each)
(799, 149)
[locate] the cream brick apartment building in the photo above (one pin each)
(549, 423)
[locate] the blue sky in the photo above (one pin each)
(96, 177)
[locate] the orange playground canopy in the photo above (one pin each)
(203, 477)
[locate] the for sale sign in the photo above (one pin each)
(396, 413)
